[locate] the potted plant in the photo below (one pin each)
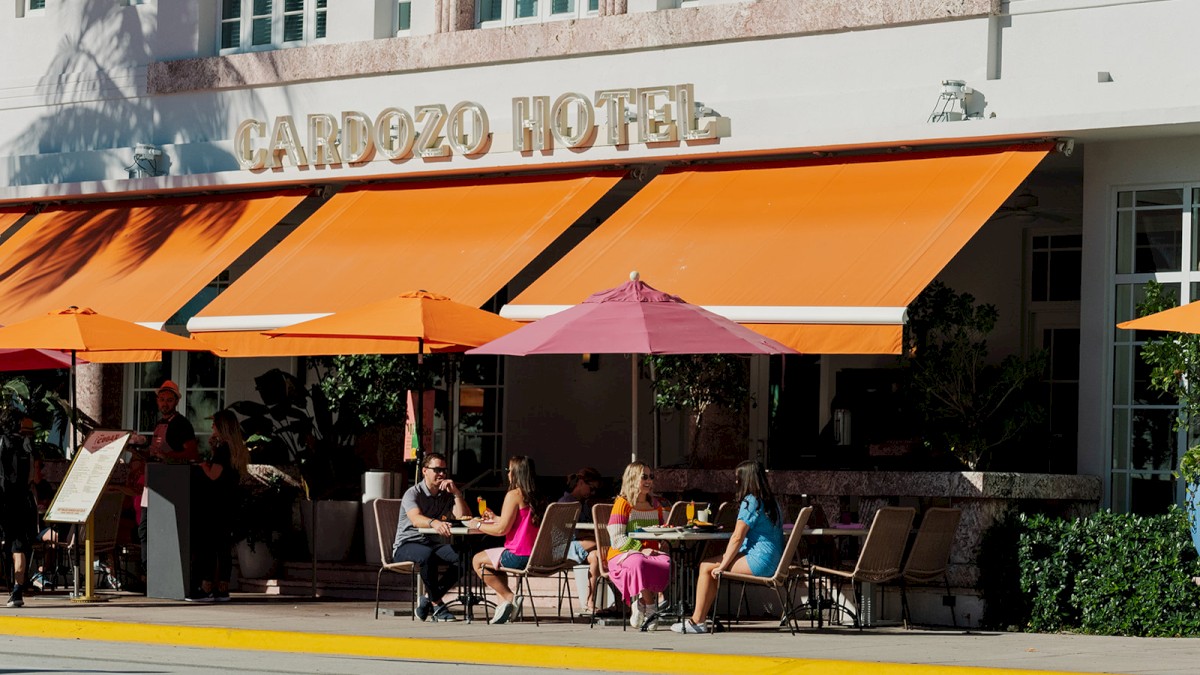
(968, 406)
(1174, 360)
(298, 425)
(267, 494)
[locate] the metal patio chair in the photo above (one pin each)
(549, 555)
(930, 555)
(387, 514)
(878, 561)
(783, 581)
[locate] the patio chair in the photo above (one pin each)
(725, 519)
(387, 514)
(678, 514)
(878, 561)
(930, 555)
(783, 581)
(600, 515)
(549, 555)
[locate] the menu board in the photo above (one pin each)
(87, 476)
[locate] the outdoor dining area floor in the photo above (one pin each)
(302, 624)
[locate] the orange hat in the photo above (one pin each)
(171, 387)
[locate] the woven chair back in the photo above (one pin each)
(879, 560)
(554, 538)
(387, 515)
(931, 551)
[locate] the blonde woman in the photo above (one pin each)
(637, 568)
(221, 499)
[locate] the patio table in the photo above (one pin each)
(683, 545)
(471, 591)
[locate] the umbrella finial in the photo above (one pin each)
(634, 276)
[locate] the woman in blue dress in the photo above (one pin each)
(755, 547)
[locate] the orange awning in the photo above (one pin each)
(821, 255)
(139, 260)
(9, 216)
(462, 239)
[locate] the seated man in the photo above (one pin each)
(430, 503)
(581, 488)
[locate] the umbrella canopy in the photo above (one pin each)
(1184, 319)
(418, 322)
(82, 331)
(33, 359)
(633, 318)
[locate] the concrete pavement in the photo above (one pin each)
(302, 625)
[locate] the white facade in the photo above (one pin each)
(1109, 78)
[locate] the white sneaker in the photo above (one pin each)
(636, 616)
(504, 612)
(688, 628)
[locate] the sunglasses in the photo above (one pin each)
(647, 476)
(438, 469)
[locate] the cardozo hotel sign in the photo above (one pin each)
(662, 114)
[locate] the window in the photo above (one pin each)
(404, 16)
(1156, 240)
(35, 5)
(496, 13)
(247, 25)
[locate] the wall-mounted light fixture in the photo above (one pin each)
(146, 161)
(953, 102)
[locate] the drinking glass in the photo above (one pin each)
(482, 506)
(691, 511)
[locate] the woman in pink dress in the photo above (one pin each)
(518, 523)
(637, 568)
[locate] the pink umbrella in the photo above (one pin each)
(34, 359)
(633, 318)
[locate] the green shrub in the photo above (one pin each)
(1108, 574)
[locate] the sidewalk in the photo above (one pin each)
(302, 625)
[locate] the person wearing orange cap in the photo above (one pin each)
(174, 441)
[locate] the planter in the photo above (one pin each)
(336, 522)
(254, 562)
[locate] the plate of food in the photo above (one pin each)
(659, 529)
(703, 525)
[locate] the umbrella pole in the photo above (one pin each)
(633, 378)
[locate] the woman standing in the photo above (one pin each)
(224, 471)
(638, 569)
(755, 547)
(518, 523)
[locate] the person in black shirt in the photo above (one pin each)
(18, 510)
(220, 499)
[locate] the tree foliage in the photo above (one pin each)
(692, 383)
(968, 405)
(1174, 360)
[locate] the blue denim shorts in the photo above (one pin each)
(513, 561)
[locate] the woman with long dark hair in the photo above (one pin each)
(755, 547)
(518, 522)
(223, 470)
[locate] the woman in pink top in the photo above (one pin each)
(518, 523)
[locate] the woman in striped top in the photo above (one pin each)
(637, 568)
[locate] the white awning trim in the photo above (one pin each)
(152, 325)
(754, 314)
(250, 322)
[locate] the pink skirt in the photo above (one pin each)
(633, 573)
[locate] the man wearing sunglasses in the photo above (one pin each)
(432, 502)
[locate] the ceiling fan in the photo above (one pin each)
(1024, 204)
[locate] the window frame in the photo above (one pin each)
(397, 29)
(583, 9)
(310, 12)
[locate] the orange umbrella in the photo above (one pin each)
(85, 333)
(418, 322)
(1184, 319)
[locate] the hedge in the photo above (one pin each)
(1107, 574)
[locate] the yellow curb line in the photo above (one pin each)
(459, 651)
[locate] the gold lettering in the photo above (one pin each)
(394, 133)
(530, 131)
(429, 141)
(468, 141)
(615, 102)
(284, 141)
(249, 157)
(583, 131)
(358, 143)
(322, 139)
(655, 123)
